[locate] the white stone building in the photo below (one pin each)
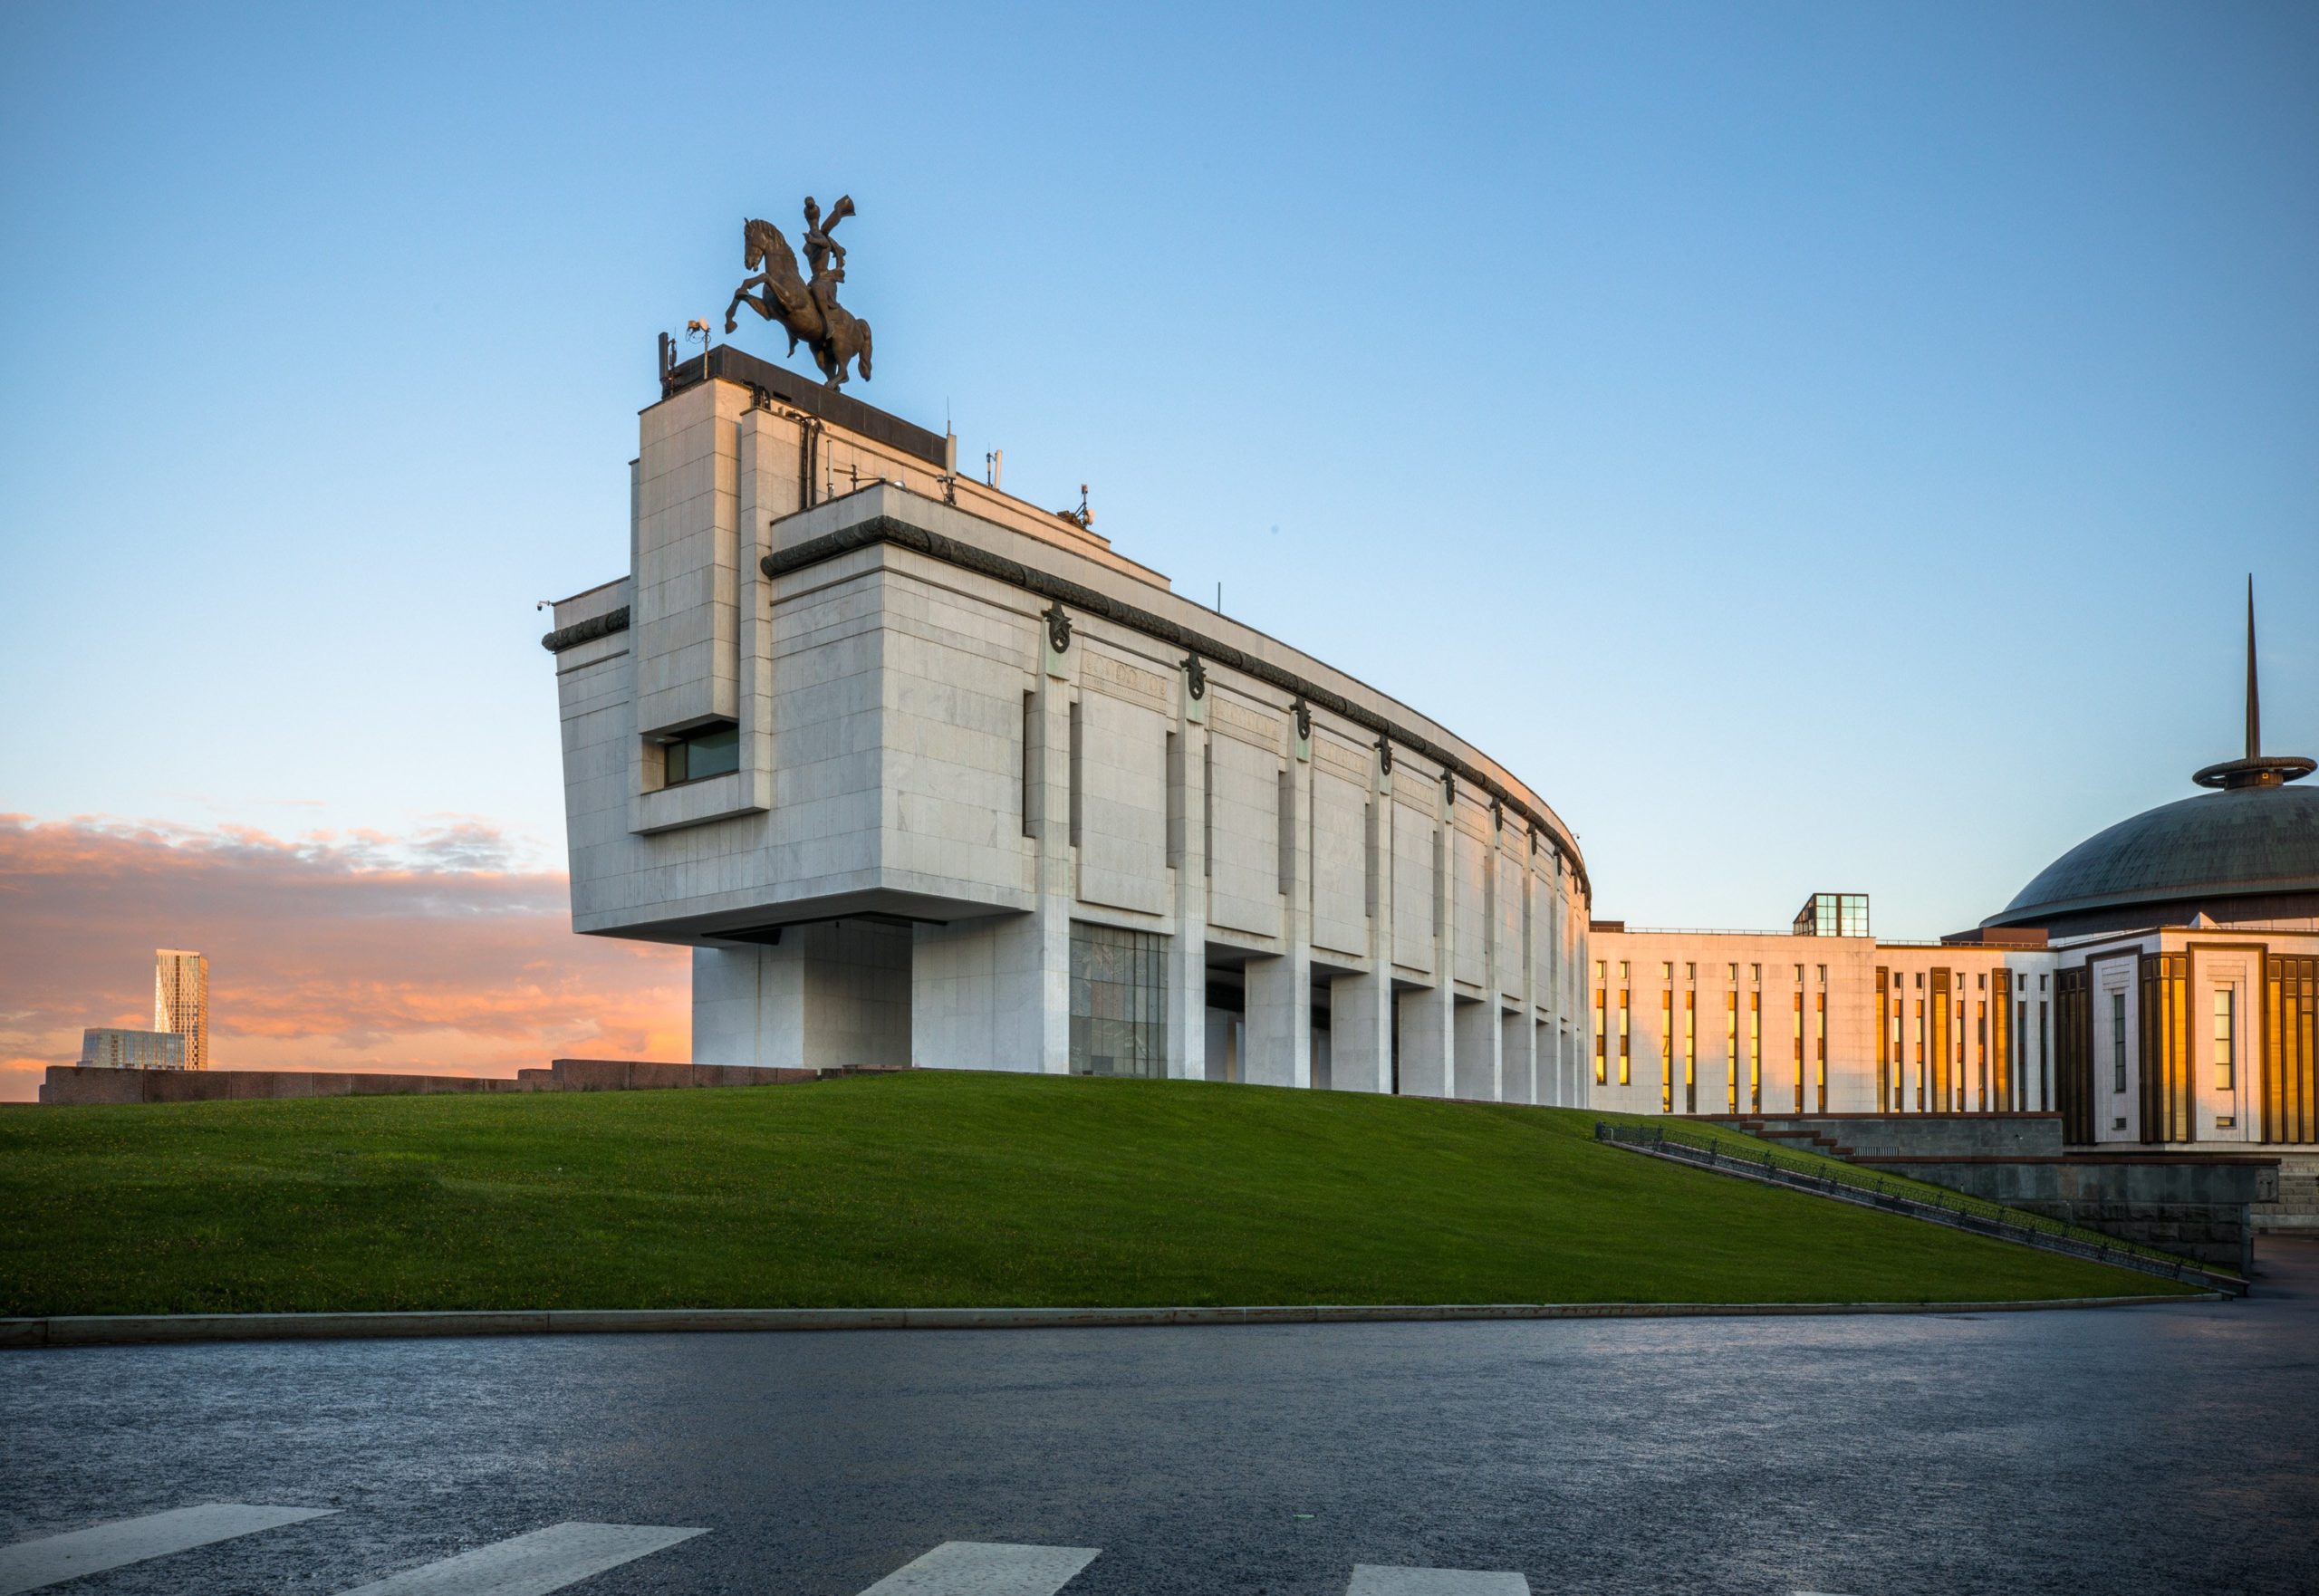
(2157, 986)
(1807, 1021)
(924, 773)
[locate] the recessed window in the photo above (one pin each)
(712, 751)
(2225, 1040)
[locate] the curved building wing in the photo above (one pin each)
(926, 775)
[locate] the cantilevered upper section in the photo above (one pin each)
(924, 772)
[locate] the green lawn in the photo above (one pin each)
(926, 1189)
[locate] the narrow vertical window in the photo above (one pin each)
(1690, 1052)
(1076, 739)
(1601, 1035)
(1626, 1039)
(1441, 893)
(2021, 1053)
(2117, 1042)
(1820, 1049)
(1981, 1036)
(1883, 1037)
(1207, 806)
(1368, 859)
(1667, 1049)
(1731, 1051)
(2044, 1049)
(1798, 1028)
(1030, 764)
(1175, 780)
(1921, 1104)
(2226, 1039)
(1754, 1053)
(1287, 829)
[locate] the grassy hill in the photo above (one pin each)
(921, 1189)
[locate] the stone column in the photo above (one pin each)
(1280, 989)
(1428, 1035)
(1361, 1007)
(1188, 852)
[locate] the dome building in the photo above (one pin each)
(2185, 945)
(2247, 854)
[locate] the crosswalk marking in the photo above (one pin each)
(985, 1568)
(531, 1565)
(29, 1564)
(1378, 1580)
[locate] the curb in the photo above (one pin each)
(145, 1329)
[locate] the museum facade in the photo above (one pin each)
(925, 773)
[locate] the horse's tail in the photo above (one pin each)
(865, 348)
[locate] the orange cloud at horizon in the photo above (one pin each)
(333, 951)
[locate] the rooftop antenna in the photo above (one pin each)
(2255, 770)
(2254, 694)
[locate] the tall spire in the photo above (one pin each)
(2253, 695)
(2254, 770)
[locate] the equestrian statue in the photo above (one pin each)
(806, 306)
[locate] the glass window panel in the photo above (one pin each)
(1118, 1001)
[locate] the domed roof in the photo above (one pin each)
(2242, 841)
(2249, 851)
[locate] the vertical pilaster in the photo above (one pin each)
(1187, 851)
(1280, 989)
(1428, 1047)
(1361, 1007)
(1051, 832)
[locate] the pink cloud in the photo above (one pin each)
(332, 951)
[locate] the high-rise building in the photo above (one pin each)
(181, 1001)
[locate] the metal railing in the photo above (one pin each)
(1959, 1210)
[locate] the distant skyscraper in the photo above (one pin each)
(181, 1001)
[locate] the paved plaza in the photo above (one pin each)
(2153, 1449)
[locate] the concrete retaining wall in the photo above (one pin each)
(2196, 1206)
(2297, 1207)
(1922, 1135)
(72, 1083)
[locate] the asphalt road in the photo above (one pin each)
(2148, 1449)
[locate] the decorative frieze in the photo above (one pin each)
(1352, 763)
(1107, 673)
(1250, 724)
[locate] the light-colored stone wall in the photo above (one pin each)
(1769, 972)
(931, 794)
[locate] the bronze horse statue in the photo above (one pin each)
(806, 308)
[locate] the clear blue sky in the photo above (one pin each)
(1816, 446)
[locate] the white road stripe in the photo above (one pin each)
(531, 1565)
(29, 1564)
(983, 1568)
(1374, 1580)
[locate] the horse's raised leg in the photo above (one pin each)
(741, 296)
